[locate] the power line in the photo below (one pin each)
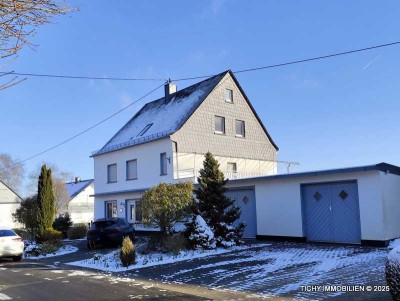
(181, 79)
(299, 61)
(202, 76)
(86, 130)
(80, 77)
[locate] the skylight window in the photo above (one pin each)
(146, 128)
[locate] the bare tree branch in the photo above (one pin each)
(19, 20)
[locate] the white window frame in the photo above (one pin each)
(163, 164)
(108, 173)
(234, 164)
(127, 170)
(223, 125)
(134, 213)
(229, 93)
(114, 203)
(244, 128)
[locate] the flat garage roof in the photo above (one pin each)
(384, 167)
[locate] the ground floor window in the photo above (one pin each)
(111, 209)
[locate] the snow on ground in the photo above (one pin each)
(110, 262)
(394, 244)
(66, 249)
(282, 271)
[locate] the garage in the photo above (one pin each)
(245, 199)
(355, 205)
(331, 212)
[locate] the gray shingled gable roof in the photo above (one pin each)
(167, 118)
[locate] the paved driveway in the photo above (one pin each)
(276, 269)
(280, 269)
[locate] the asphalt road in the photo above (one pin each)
(35, 281)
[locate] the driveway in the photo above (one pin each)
(271, 269)
(281, 269)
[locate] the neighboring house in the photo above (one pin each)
(168, 138)
(81, 203)
(10, 201)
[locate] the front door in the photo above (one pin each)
(133, 211)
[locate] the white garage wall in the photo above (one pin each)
(279, 208)
(390, 185)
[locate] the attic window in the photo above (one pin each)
(229, 95)
(146, 128)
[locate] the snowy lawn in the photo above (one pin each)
(63, 250)
(110, 262)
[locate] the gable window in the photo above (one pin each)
(111, 209)
(112, 173)
(232, 167)
(131, 170)
(146, 128)
(219, 125)
(163, 164)
(240, 128)
(229, 95)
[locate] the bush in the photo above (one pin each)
(52, 236)
(77, 232)
(127, 253)
(175, 243)
(63, 223)
(165, 204)
(199, 234)
(393, 273)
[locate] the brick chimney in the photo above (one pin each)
(169, 88)
(77, 180)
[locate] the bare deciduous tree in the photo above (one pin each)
(11, 172)
(19, 20)
(59, 178)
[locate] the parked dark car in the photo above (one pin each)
(109, 231)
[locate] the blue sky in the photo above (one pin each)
(326, 114)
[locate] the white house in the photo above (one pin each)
(10, 201)
(81, 203)
(167, 139)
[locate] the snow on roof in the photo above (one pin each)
(164, 117)
(75, 188)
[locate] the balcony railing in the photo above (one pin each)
(192, 174)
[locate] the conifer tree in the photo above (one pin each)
(219, 211)
(46, 203)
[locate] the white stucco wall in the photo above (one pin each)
(99, 204)
(81, 207)
(279, 205)
(9, 202)
(148, 166)
(390, 193)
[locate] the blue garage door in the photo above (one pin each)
(245, 199)
(332, 212)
